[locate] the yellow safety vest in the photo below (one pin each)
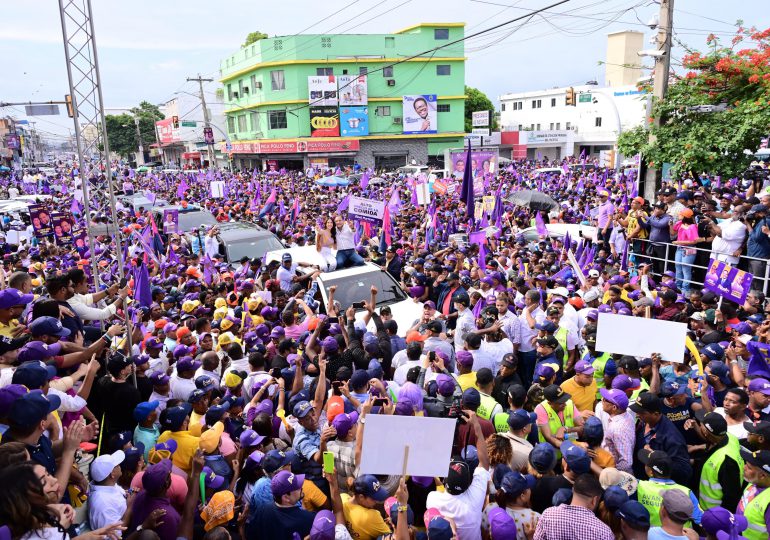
(710, 492)
(486, 407)
(561, 337)
(554, 422)
(650, 495)
(755, 515)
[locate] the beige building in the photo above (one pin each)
(622, 67)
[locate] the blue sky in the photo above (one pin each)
(148, 48)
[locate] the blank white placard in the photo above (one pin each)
(429, 441)
(637, 336)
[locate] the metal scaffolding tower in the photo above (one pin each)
(88, 111)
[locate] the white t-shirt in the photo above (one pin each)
(345, 238)
(496, 350)
(464, 509)
(401, 371)
(736, 429)
(731, 240)
(285, 275)
(181, 388)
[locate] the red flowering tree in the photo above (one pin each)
(737, 75)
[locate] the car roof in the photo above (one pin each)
(238, 230)
(182, 210)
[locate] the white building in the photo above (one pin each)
(185, 144)
(546, 125)
(540, 123)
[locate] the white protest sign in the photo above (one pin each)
(429, 441)
(367, 210)
(217, 189)
(637, 336)
(423, 193)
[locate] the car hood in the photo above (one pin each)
(404, 313)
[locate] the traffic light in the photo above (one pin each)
(570, 101)
(68, 102)
(175, 121)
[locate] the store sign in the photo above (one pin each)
(534, 138)
(294, 147)
(322, 90)
(166, 132)
(354, 121)
(352, 90)
(480, 118)
(484, 132)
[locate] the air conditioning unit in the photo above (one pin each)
(397, 120)
(258, 84)
(391, 82)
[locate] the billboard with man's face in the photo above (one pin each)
(420, 114)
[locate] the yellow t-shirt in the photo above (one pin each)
(6, 329)
(186, 443)
(583, 397)
(313, 499)
(633, 223)
(363, 523)
(467, 380)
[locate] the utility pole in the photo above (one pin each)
(660, 81)
(140, 155)
(206, 120)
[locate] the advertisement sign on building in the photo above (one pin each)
(294, 146)
(324, 122)
(484, 132)
(322, 90)
(353, 90)
(167, 134)
(12, 141)
(354, 121)
(419, 114)
(482, 162)
(480, 118)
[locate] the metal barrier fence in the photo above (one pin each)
(663, 258)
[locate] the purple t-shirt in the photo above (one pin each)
(605, 214)
(144, 504)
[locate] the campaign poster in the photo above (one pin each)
(170, 221)
(728, 282)
(62, 227)
(420, 114)
(353, 90)
(482, 162)
(80, 240)
(367, 210)
(324, 122)
(354, 121)
(322, 90)
(41, 220)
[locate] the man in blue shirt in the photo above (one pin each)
(659, 433)
(758, 245)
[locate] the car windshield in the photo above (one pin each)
(357, 288)
(191, 220)
(252, 248)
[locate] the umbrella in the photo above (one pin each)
(533, 199)
(377, 180)
(332, 181)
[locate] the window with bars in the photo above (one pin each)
(598, 121)
(443, 107)
(382, 110)
(277, 81)
(277, 119)
(502, 106)
(553, 102)
(363, 70)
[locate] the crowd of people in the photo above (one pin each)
(201, 398)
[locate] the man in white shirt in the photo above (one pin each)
(287, 273)
(466, 322)
(729, 238)
(211, 243)
(84, 304)
(530, 316)
(346, 244)
(413, 354)
(106, 500)
(465, 492)
(182, 383)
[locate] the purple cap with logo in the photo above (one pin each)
(285, 482)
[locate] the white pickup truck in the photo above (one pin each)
(354, 285)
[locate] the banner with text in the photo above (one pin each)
(728, 282)
(324, 122)
(354, 121)
(367, 210)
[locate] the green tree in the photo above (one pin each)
(713, 142)
(122, 130)
(478, 101)
(253, 37)
(632, 141)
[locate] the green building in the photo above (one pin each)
(328, 100)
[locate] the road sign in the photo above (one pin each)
(229, 146)
(189, 123)
(585, 98)
(42, 110)
(480, 118)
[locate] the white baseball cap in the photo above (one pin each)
(593, 273)
(560, 291)
(104, 464)
(591, 295)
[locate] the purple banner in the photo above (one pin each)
(728, 282)
(170, 221)
(482, 162)
(62, 227)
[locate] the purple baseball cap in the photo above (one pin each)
(760, 385)
(156, 475)
(344, 422)
(616, 397)
(37, 350)
(285, 482)
(445, 385)
(584, 367)
(464, 358)
(624, 382)
(501, 525)
(187, 364)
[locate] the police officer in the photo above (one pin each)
(721, 467)
(649, 493)
(756, 499)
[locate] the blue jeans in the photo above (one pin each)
(348, 255)
(683, 270)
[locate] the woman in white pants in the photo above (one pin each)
(325, 240)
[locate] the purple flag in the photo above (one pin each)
(624, 261)
(466, 191)
(207, 270)
(142, 289)
(540, 225)
(365, 179)
(343, 205)
(183, 187)
(394, 204)
(172, 258)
